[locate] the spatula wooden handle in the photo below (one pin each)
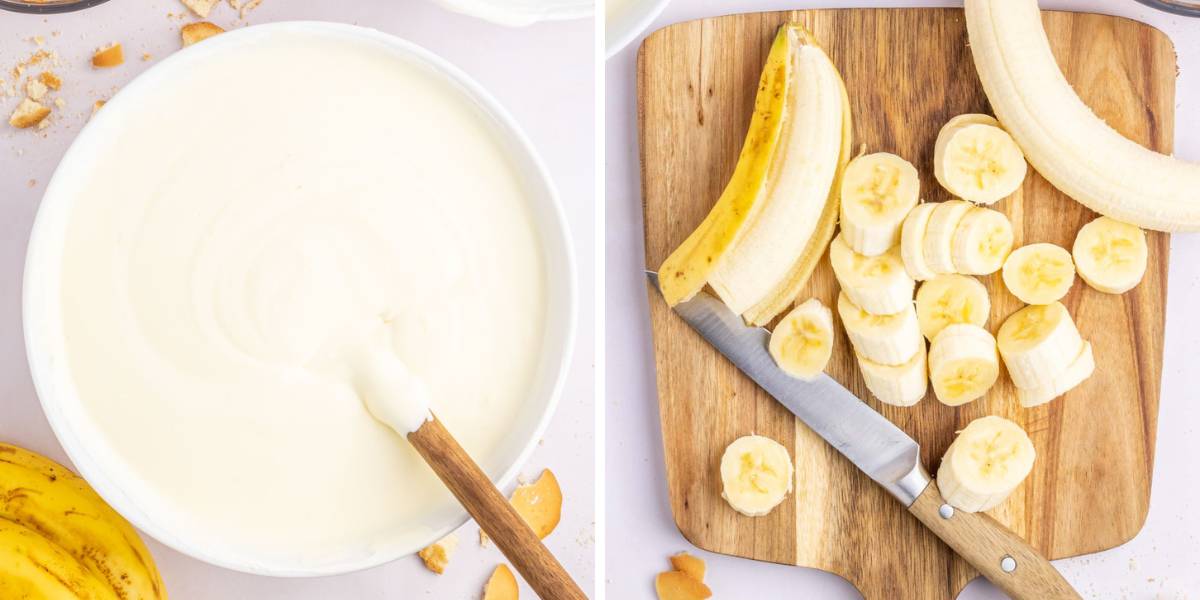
(493, 513)
(999, 554)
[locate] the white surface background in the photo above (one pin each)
(551, 94)
(1162, 562)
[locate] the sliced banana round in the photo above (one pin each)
(802, 342)
(1039, 273)
(1076, 373)
(982, 241)
(1110, 255)
(938, 243)
(878, 284)
(877, 192)
(988, 459)
(884, 339)
(978, 161)
(949, 299)
(1038, 343)
(899, 385)
(756, 474)
(963, 363)
(912, 241)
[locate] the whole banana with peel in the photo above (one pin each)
(59, 540)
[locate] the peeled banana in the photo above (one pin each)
(976, 160)
(899, 385)
(878, 284)
(1039, 273)
(756, 474)
(938, 243)
(987, 461)
(883, 339)
(912, 241)
(802, 342)
(1076, 373)
(65, 513)
(949, 299)
(1063, 139)
(877, 191)
(761, 240)
(963, 363)
(1038, 343)
(1110, 256)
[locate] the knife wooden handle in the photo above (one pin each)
(492, 511)
(999, 554)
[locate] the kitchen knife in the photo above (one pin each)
(880, 450)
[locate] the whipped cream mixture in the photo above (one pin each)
(285, 233)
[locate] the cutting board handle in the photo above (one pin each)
(1002, 556)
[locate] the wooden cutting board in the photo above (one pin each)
(907, 71)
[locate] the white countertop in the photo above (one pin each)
(551, 94)
(1163, 561)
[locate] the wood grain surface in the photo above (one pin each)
(907, 71)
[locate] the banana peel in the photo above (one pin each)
(688, 268)
(57, 505)
(686, 271)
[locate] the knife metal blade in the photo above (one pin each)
(876, 446)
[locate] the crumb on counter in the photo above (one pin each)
(247, 7)
(146, 56)
(35, 89)
(200, 7)
(97, 105)
(28, 113)
(437, 554)
(50, 80)
(501, 585)
(685, 581)
(108, 57)
(198, 32)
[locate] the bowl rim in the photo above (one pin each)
(51, 376)
(48, 8)
(631, 26)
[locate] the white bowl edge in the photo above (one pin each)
(41, 304)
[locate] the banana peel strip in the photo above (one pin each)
(687, 269)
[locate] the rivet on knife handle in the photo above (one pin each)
(999, 554)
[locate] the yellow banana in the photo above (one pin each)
(53, 502)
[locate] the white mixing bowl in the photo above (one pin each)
(44, 332)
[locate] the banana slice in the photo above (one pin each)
(978, 161)
(898, 385)
(912, 240)
(756, 473)
(949, 299)
(877, 192)
(966, 119)
(1039, 273)
(963, 364)
(878, 284)
(883, 339)
(987, 461)
(802, 342)
(1110, 255)
(982, 241)
(1077, 372)
(938, 243)
(1038, 343)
